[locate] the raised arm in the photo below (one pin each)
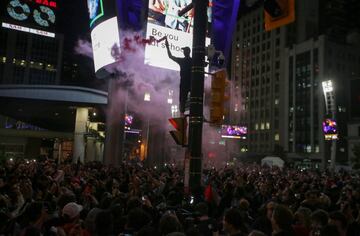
(168, 50)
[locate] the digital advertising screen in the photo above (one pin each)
(96, 10)
(105, 43)
(233, 131)
(32, 16)
(163, 20)
(128, 120)
(330, 129)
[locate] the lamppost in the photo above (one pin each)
(329, 95)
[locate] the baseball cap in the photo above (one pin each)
(72, 209)
(186, 49)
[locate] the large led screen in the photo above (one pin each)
(25, 14)
(163, 20)
(233, 131)
(330, 129)
(105, 43)
(96, 10)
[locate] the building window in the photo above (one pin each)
(267, 125)
(277, 137)
(256, 126)
(277, 64)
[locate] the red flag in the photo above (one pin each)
(208, 193)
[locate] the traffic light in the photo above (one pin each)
(278, 13)
(179, 135)
(218, 97)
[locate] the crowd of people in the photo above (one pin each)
(42, 197)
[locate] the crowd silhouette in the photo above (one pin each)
(42, 197)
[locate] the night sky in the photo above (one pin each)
(73, 21)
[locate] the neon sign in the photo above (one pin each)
(46, 3)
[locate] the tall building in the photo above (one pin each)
(307, 65)
(277, 75)
(256, 84)
(29, 59)
(30, 51)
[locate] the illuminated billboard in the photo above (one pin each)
(30, 16)
(96, 10)
(105, 43)
(128, 120)
(330, 129)
(233, 131)
(163, 20)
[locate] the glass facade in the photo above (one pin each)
(303, 111)
(29, 59)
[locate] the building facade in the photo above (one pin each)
(276, 79)
(255, 87)
(307, 65)
(29, 58)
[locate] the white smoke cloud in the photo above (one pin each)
(134, 79)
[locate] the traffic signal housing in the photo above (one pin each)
(218, 97)
(278, 13)
(179, 134)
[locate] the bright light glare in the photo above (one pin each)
(147, 97)
(327, 86)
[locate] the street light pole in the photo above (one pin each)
(197, 92)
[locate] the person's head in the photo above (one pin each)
(269, 207)
(133, 203)
(311, 195)
(233, 221)
(282, 218)
(319, 219)
(169, 223)
(257, 233)
(90, 220)
(302, 216)
(339, 220)
(137, 218)
(32, 231)
(329, 230)
(71, 211)
(346, 210)
(104, 223)
(244, 204)
(65, 199)
(34, 210)
(186, 51)
(202, 208)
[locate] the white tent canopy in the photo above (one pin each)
(272, 161)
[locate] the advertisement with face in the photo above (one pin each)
(163, 20)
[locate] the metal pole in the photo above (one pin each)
(196, 95)
(147, 138)
(333, 155)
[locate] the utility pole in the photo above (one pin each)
(197, 92)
